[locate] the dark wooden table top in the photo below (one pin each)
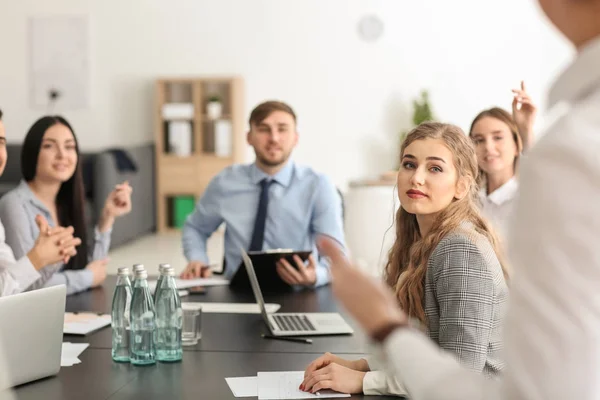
(201, 375)
(235, 332)
(231, 346)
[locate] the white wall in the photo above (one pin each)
(352, 97)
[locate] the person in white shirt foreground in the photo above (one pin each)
(500, 138)
(444, 267)
(552, 327)
(51, 246)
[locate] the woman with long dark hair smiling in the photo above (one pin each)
(53, 187)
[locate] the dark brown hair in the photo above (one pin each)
(70, 198)
(265, 109)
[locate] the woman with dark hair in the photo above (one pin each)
(53, 187)
(51, 245)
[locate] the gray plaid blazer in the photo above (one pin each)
(465, 300)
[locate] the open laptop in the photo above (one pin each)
(31, 333)
(295, 324)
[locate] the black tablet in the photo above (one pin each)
(265, 264)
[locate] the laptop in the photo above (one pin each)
(295, 324)
(31, 333)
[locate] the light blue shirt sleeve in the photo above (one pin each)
(327, 220)
(76, 280)
(100, 245)
(201, 223)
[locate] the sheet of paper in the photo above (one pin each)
(284, 385)
(84, 323)
(246, 386)
(73, 349)
(188, 283)
(233, 308)
(70, 353)
(69, 362)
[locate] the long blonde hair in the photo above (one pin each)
(408, 257)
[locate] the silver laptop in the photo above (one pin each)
(31, 333)
(295, 324)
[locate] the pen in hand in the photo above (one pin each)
(287, 338)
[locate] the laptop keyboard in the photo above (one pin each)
(293, 323)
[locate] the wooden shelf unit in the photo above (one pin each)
(190, 175)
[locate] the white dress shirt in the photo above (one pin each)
(553, 324)
(378, 381)
(15, 276)
(497, 206)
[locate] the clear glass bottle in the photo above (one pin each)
(136, 268)
(161, 269)
(169, 319)
(143, 322)
(120, 314)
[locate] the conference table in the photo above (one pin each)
(231, 346)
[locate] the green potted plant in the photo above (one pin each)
(421, 112)
(214, 107)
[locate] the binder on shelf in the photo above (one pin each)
(180, 138)
(223, 138)
(178, 111)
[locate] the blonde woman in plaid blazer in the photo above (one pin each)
(445, 265)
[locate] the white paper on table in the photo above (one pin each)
(69, 362)
(70, 353)
(246, 386)
(84, 323)
(285, 385)
(188, 283)
(233, 308)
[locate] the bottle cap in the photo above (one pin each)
(138, 267)
(162, 267)
(141, 274)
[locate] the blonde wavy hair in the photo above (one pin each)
(408, 257)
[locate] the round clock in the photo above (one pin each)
(370, 28)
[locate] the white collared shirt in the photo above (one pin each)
(498, 205)
(15, 276)
(553, 325)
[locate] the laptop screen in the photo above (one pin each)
(256, 287)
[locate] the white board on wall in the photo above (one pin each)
(59, 61)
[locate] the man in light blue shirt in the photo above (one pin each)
(272, 203)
